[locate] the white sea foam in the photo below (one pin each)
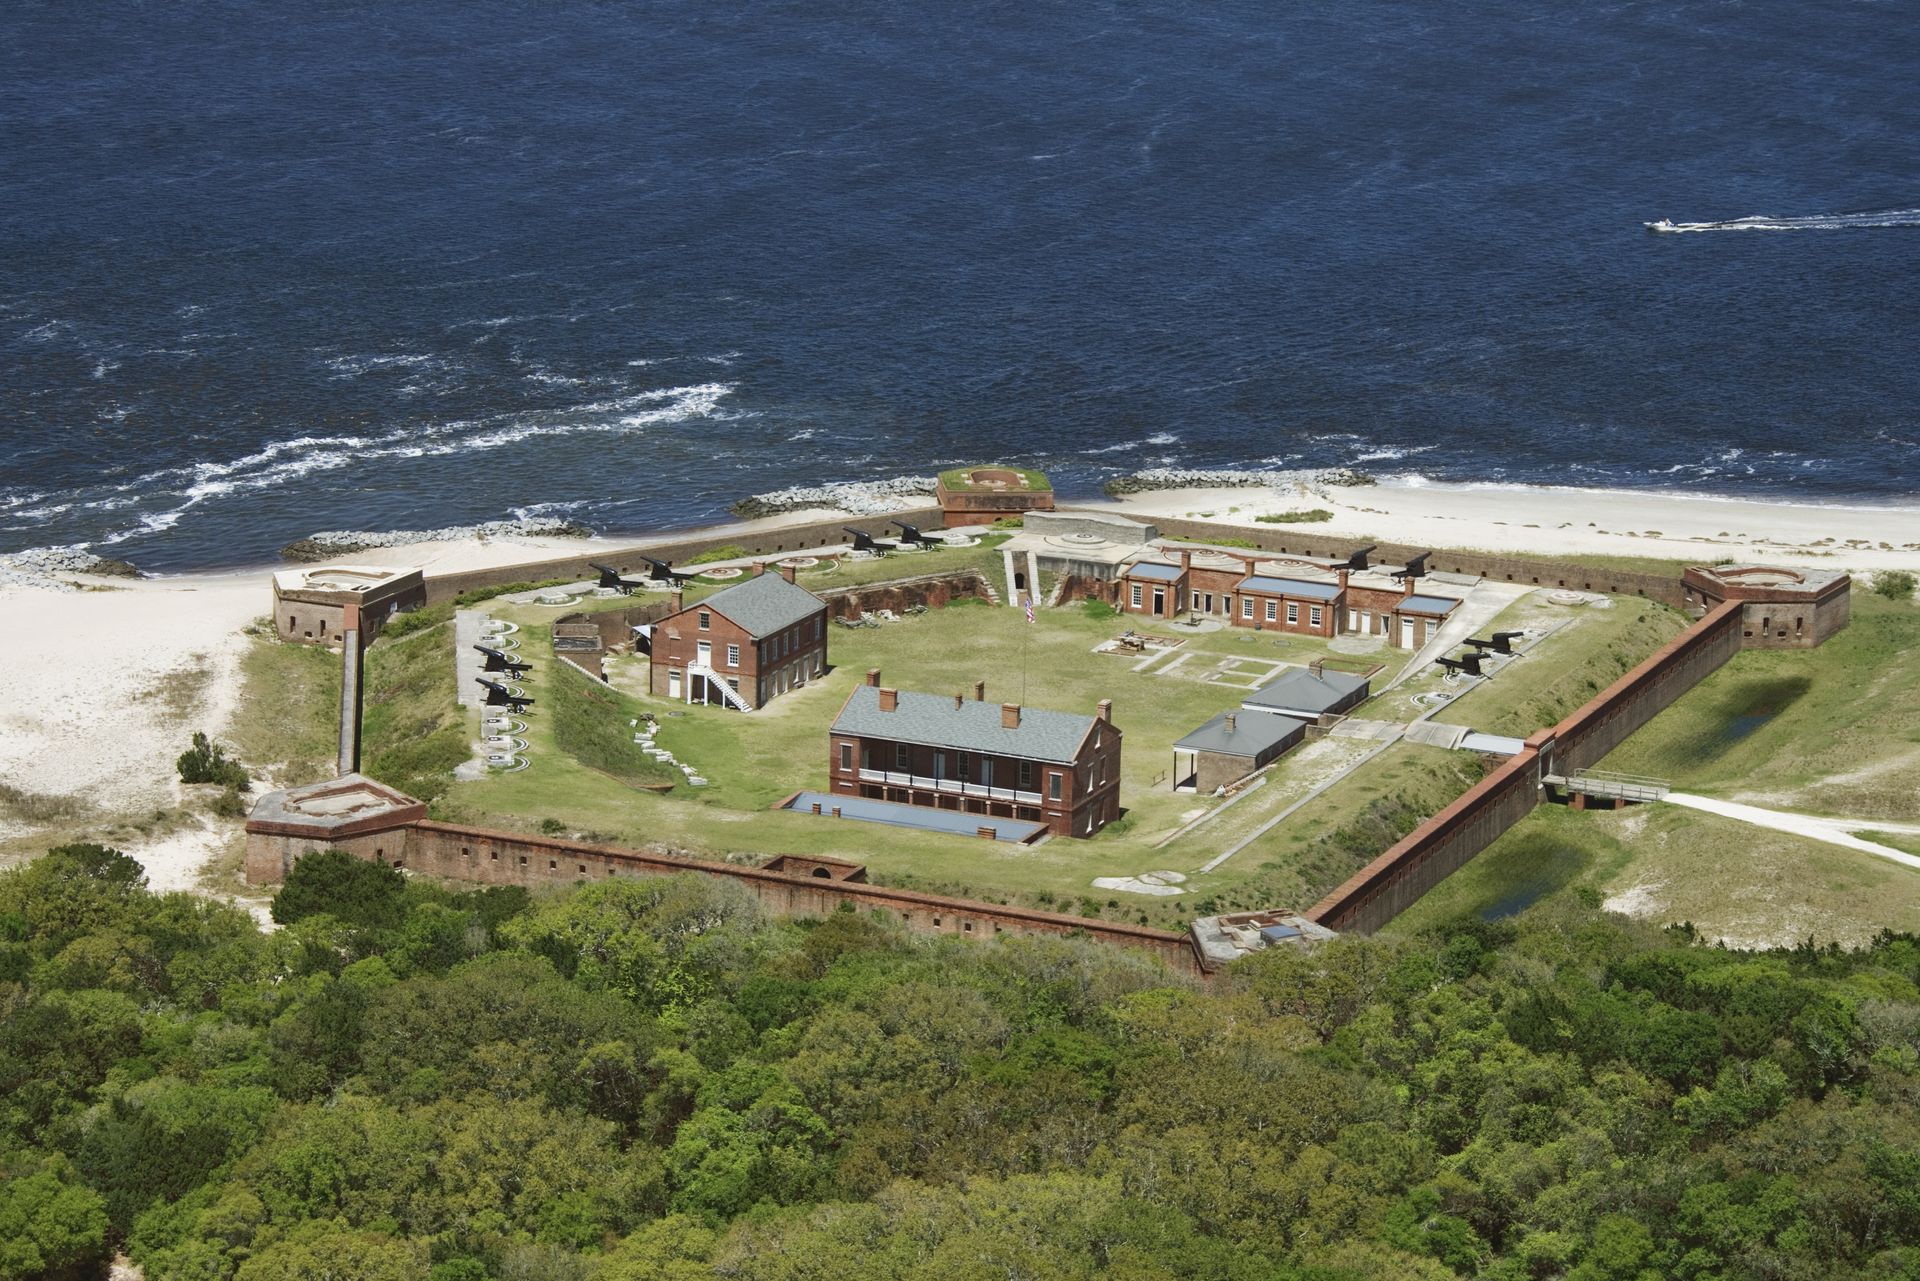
(1808, 222)
(1389, 453)
(282, 462)
(354, 366)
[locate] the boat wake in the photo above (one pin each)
(1811, 222)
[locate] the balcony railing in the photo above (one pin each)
(951, 786)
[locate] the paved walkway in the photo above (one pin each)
(1833, 831)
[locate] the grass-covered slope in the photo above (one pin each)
(413, 731)
(1831, 730)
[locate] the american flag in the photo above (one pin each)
(1029, 609)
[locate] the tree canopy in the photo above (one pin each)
(648, 1079)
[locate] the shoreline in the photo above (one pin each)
(112, 677)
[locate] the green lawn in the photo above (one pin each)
(1595, 648)
(1833, 730)
(287, 724)
(1671, 865)
(957, 479)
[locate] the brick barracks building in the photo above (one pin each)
(1326, 598)
(743, 646)
(949, 752)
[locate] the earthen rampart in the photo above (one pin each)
(488, 857)
(1530, 571)
(1444, 843)
(678, 550)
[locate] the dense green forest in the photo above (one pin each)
(647, 1079)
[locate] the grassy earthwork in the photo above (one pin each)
(1832, 731)
(1829, 731)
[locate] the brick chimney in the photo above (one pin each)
(1343, 577)
(1009, 716)
(1233, 721)
(759, 568)
(979, 691)
(959, 702)
(873, 676)
(786, 572)
(1406, 587)
(889, 699)
(1186, 559)
(1106, 710)
(679, 600)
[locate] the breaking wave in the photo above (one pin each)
(177, 490)
(1810, 222)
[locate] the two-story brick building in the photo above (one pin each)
(1310, 596)
(743, 646)
(951, 752)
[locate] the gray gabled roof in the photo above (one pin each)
(1290, 587)
(1248, 736)
(764, 604)
(1153, 569)
(1427, 605)
(973, 726)
(1300, 690)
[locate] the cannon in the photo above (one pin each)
(499, 695)
(666, 573)
(912, 534)
(501, 661)
(613, 579)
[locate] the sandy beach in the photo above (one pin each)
(1541, 521)
(106, 684)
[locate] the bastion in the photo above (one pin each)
(310, 605)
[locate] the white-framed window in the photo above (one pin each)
(706, 620)
(1053, 785)
(733, 656)
(1313, 616)
(902, 757)
(1246, 607)
(1273, 610)
(1136, 596)
(1293, 614)
(846, 758)
(1026, 776)
(962, 766)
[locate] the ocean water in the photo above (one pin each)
(271, 267)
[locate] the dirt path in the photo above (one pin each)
(1833, 831)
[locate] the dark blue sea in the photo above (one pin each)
(271, 267)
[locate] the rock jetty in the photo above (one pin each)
(41, 567)
(334, 543)
(1141, 482)
(860, 497)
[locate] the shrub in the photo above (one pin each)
(229, 804)
(206, 762)
(353, 891)
(731, 551)
(1312, 516)
(1894, 584)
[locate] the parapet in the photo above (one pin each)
(1222, 939)
(1783, 608)
(350, 805)
(312, 604)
